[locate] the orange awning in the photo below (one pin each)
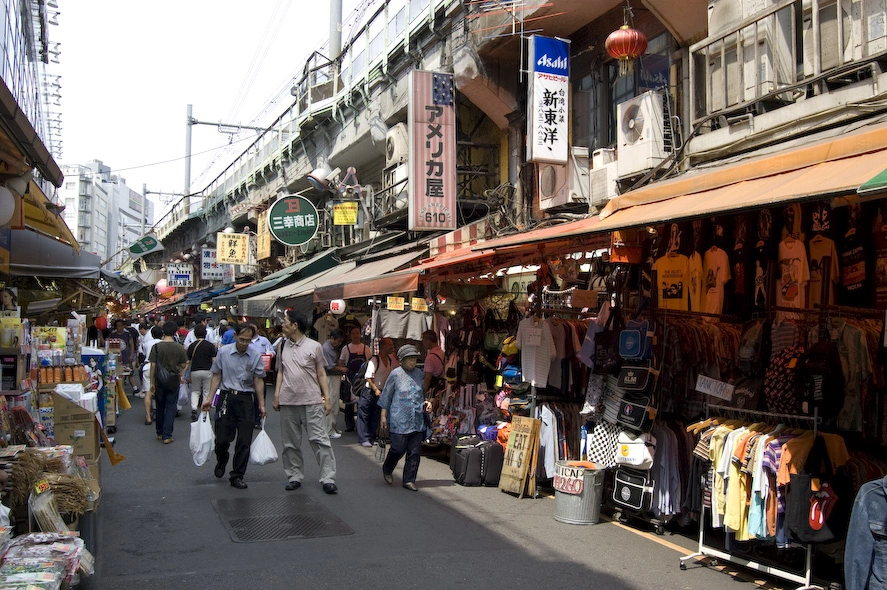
(372, 278)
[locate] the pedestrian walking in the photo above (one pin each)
(368, 410)
(201, 354)
(351, 358)
(238, 369)
(304, 401)
(334, 373)
(151, 339)
(403, 403)
(170, 355)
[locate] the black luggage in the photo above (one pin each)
(492, 458)
(462, 442)
(466, 467)
(633, 489)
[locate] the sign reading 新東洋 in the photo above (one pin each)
(179, 275)
(292, 220)
(232, 248)
(549, 92)
(210, 270)
(432, 152)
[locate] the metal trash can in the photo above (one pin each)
(578, 492)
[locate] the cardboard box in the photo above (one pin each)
(83, 436)
(65, 410)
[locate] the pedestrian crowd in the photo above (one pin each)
(225, 367)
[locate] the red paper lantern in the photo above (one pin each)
(626, 45)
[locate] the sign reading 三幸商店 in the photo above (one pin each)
(432, 152)
(549, 94)
(179, 275)
(292, 220)
(232, 248)
(210, 270)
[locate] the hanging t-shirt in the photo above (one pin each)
(820, 247)
(879, 236)
(763, 255)
(697, 293)
(673, 276)
(794, 274)
(716, 267)
(852, 262)
(741, 257)
(537, 350)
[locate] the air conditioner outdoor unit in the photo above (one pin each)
(723, 15)
(833, 51)
(767, 62)
(643, 134)
(560, 184)
(397, 145)
(725, 84)
(603, 184)
(603, 156)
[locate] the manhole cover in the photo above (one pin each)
(250, 520)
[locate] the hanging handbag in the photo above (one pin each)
(495, 332)
(635, 412)
(601, 443)
(606, 346)
(810, 498)
(636, 340)
(637, 377)
(635, 450)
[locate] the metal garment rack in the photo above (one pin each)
(704, 550)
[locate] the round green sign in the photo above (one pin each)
(292, 220)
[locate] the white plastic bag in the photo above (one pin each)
(202, 438)
(184, 400)
(262, 450)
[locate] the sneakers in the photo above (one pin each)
(330, 488)
(166, 441)
(366, 443)
(336, 435)
(387, 477)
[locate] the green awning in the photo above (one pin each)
(304, 268)
(875, 185)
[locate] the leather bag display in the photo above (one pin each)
(635, 450)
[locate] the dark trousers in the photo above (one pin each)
(166, 409)
(368, 415)
(238, 422)
(345, 396)
(404, 444)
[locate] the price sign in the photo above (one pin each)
(569, 479)
(396, 303)
(41, 486)
(418, 304)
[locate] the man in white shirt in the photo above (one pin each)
(211, 335)
(149, 337)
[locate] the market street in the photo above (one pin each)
(158, 529)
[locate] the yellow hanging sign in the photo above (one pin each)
(345, 213)
(418, 304)
(396, 304)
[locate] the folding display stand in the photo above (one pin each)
(704, 550)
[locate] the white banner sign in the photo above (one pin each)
(549, 97)
(210, 269)
(179, 275)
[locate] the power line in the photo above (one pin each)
(177, 159)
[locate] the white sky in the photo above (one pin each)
(130, 68)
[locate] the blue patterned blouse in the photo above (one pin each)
(403, 397)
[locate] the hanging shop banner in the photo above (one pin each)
(233, 248)
(227, 274)
(395, 303)
(432, 153)
(145, 245)
(549, 100)
(179, 275)
(263, 237)
(418, 304)
(210, 269)
(345, 213)
(292, 220)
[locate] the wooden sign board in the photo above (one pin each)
(518, 469)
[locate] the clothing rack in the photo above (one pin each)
(704, 550)
(699, 314)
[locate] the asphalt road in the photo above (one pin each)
(158, 529)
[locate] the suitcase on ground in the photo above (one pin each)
(467, 466)
(633, 489)
(492, 458)
(462, 442)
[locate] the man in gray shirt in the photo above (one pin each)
(238, 368)
(331, 349)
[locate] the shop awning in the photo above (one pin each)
(198, 297)
(21, 133)
(320, 262)
(35, 215)
(263, 305)
(878, 184)
(41, 256)
(229, 298)
(120, 283)
(171, 302)
(372, 278)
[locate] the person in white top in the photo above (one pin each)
(211, 335)
(149, 339)
(368, 410)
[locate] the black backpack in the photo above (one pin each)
(358, 381)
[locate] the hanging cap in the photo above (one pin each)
(406, 351)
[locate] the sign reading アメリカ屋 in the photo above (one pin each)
(292, 220)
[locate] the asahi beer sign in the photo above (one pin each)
(549, 92)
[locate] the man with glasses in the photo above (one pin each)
(239, 370)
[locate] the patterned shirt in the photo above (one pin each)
(402, 396)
